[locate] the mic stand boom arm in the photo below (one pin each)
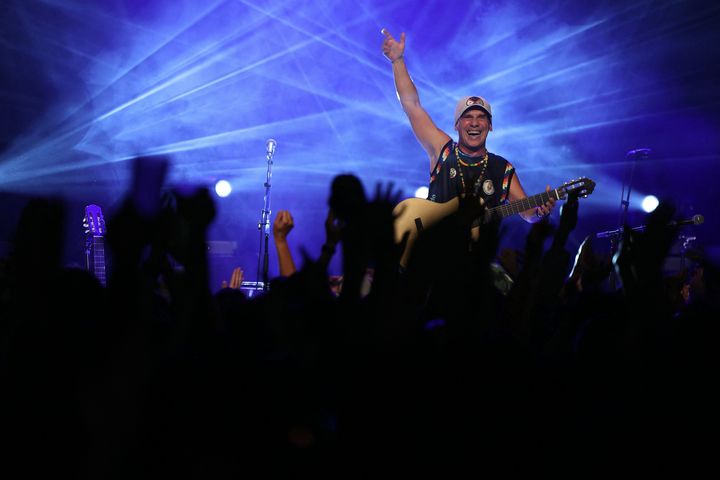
(695, 220)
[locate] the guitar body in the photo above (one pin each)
(413, 215)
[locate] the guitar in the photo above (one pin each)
(415, 214)
(95, 242)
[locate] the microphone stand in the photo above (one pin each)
(264, 224)
(625, 199)
(625, 202)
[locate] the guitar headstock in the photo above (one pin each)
(94, 221)
(583, 186)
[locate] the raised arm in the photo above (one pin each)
(332, 237)
(281, 229)
(430, 136)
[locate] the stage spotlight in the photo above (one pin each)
(421, 192)
(649, 203)
(223, 188)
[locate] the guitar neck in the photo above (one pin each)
(521, 205)
(98, 258)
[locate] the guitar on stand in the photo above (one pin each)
(415, 214)
(94, 224)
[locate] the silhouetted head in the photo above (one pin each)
(347, 197)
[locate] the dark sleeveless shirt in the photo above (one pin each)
(445, 182)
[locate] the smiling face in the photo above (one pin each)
(473, 128)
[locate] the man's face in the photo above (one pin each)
(473, 128)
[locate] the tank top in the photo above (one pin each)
(446, 179)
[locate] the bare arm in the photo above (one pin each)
(531, 215)
(281, 228)
(428, 134)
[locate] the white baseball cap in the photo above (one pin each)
(466, 103)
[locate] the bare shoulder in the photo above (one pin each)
(441, 142)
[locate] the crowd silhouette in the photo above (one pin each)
(441, 368)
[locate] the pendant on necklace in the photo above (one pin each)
(488, 187)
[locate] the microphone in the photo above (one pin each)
(639, 151)
(695, 220)
(271, 144)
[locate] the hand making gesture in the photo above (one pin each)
(393, 49)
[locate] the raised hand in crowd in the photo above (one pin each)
(589, 272)
(380, 218)
(282, 226)
(556, 261)
(383, 252)
(236, 279)
(333, 235)
(568, 219)
(347, 202)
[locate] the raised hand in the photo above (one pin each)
(333, 235)
(283, 224)
(237, 278)
(393, 49)
(568, 219)
(387, 198)
(332, 230)
(281, 229)
(379, 230)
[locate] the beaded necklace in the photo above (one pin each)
(483, 160)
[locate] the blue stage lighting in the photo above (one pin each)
(649, 203)
(223, 188)
(88, 86)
